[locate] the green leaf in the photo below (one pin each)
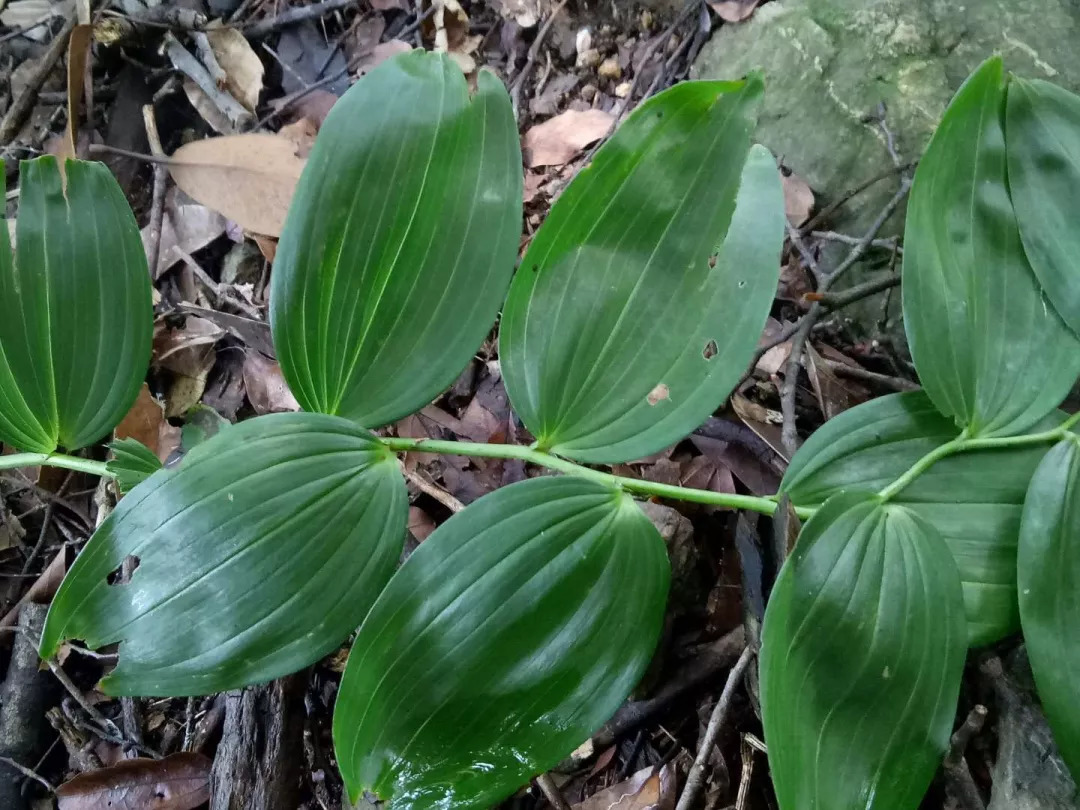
(257, 555)
(512, 633)
(1049, 574)
(990, 351)
(862, 653)
(132, 463)
(974, 499)
(1042, 129)
(641, 298)
(400, 241)
(76, 315)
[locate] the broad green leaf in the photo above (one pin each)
(1048, 566)
(640, 300)
(512, 633)
(1042, 130)
(990, 351)
(973, 500)
(862, 652)
(76, 315)
(400, 241)
(132, 463)
(257, 555)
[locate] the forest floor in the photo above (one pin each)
(166, 75)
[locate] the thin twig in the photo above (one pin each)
(20, 108)
(829, 210)
(789, 434)
(857, 293)
(650, 50)
(157, 200)
(39, 546)
(18, 32)
(695, 781)
(530, 59)
(108, 725)
(859, 373)
(209, 60)
(28, 773)
(295, 15)
(957, 775)
(429, 487)
(551, 792)
(833, 236)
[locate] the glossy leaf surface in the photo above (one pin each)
(1049, 575)
(400, 241)
(640, 300)
(257, 555)
(75, 309)
(512, 633)
(974, 500)
(1042, 126)
(862, 652)
(990, 351)
(132, 463)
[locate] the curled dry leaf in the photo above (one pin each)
(734, 10)
(248, 178)
(266, 387)
(798, 198)
(557, 140)
(177, 782)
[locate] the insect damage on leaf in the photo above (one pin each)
(659, 393)
(710, 351)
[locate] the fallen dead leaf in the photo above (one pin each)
(705, 472)
(763, 421)
(380, 53)
(733, 11)
(648, 789)
(266, 387)
(170, 340)
(451, 30)
(362, 38)
(177, 782)
(834, 395)
(302, 133)
(190, 369)
(248, 178)
(798, 198)
(557, 140)
(420, 524)
(186, 227)
(146, 423)
(315, 105)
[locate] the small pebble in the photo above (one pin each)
(623, 90)
(588, 92)
(609, 68)
(583, 41)
(589, 58)
(646, 21)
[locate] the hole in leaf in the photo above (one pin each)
(712, 260)
(122, 573)
(710, 351)
(742, 284)
(535, 267)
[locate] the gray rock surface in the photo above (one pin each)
(830, 63)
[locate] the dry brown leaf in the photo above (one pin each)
(763, 421)
(705, 472)
(734, 10)
(648, 789)
(177, 782)
(186, 227)
(170, 340)
(266, 387)
(315, 105)
(834, 395)
(380, 53)
(248, 178)
(302, 133)
(190, 369)
(362, 38)
(146, 423)
(420, 524)
(557, 140)
(798, 199)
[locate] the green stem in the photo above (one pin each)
(962, 444)
(765, 506)
(54, 460)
